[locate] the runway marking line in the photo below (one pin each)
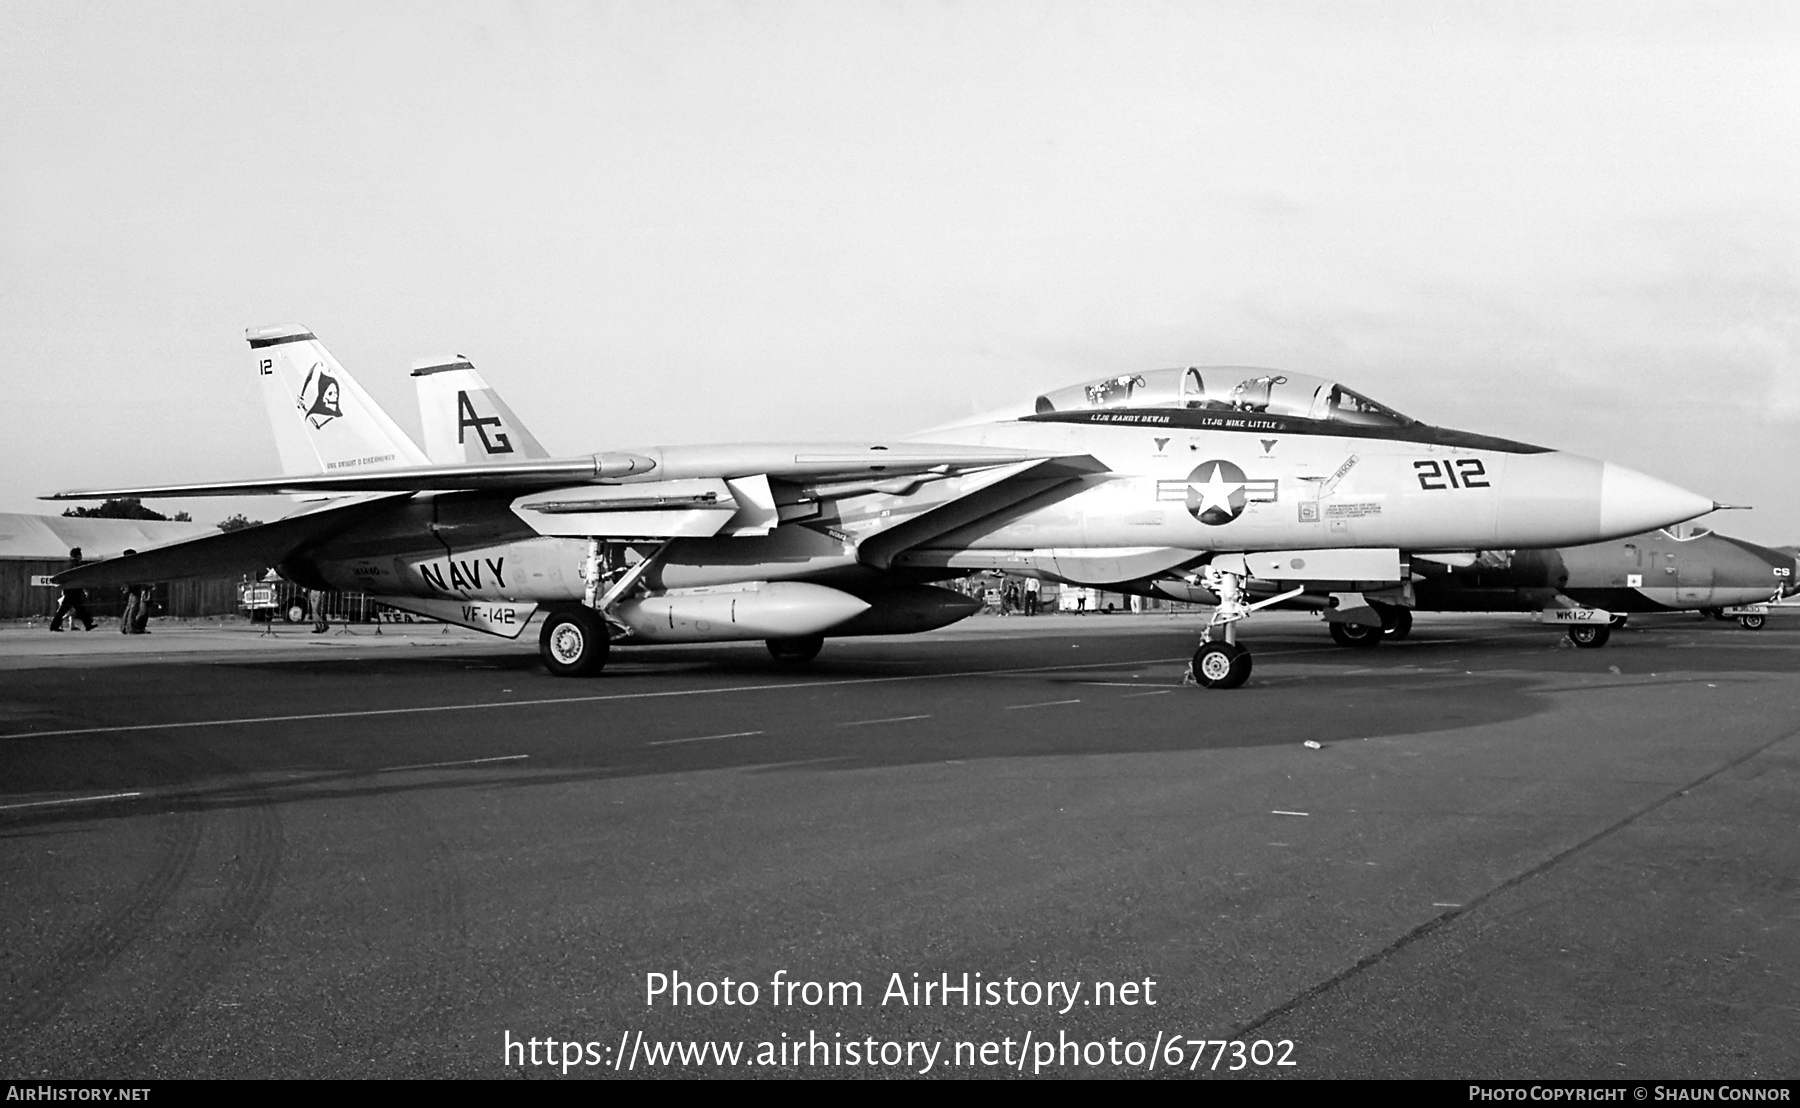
(704, 738)
(1154, 692)
(789, 765)
(554, 700)
(1042, 704)
(1279, 812)
(70, 800)
(288, 778)
(446, 765)
(890, 719)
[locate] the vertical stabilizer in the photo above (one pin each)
(323, 420)
(464, 420)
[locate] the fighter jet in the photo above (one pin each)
(1216, 477)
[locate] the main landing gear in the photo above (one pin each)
(1749, 621)
(1225, 664)
(1590, 635)
(575, 642)
(1358, 635)
(1396, 624)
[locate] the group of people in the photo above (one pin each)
(135, 619)
(1019, 596)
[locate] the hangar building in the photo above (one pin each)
(33, 547)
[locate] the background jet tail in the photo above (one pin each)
(464, 420)
(323, 420)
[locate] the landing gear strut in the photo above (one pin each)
(1225, 664)
(576, 639)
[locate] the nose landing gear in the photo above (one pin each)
(1224, 664)
(1221, 665)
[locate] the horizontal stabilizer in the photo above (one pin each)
(249, 550)
(494, 475)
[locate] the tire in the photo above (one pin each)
(1590, 636)
(1220, 665)
(1356, 635)
(1396, 623)
(796, 651)
(295, 612)
(1752, 622)
(574, 643)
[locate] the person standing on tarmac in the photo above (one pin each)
(134, 599)
(146, 598)
(74, 601)
(315, 599)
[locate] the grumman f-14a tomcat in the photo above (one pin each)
(466, 421)
(1215, 476)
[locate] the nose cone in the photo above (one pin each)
(1631, 502)
(1558, 499)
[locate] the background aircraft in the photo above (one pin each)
(1658, 571)
(1589, 589)
(1215, 477)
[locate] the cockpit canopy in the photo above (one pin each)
(1226, 389)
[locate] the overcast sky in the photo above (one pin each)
(1573, 224)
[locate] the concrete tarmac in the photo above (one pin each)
(358, 856)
